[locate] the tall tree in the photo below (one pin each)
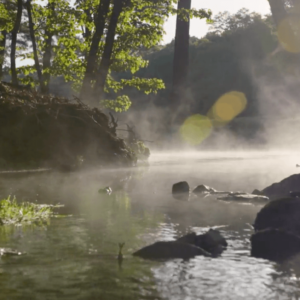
(102, 12)
(105, 63)
(92, 41)
(181, 57)
(278, 11)
(3, 35)
(34, 46)
(286, 18)
(14, 34)
(47, 51)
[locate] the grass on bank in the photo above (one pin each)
(12, 212)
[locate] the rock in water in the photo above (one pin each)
(257, 192)
(283, 188)
(240, 196)
(203, 189)
(274, 244)
(180, 188)
(9, 251)
(295, 194)
(280, 214)
(168, 250)
(212, 241)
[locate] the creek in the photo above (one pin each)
(75, 257)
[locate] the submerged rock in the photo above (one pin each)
(9, 251)
(274, 244)
(280, 214)
(107, 190)
(241, 196)
(182, 197)
(180, 188)
(283, 188)
(168, 250)
(203, 189)
(206, 190)
(212, 241)
(257, 192)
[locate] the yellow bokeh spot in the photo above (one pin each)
(227, 107)
(195, 129)
(288, 33)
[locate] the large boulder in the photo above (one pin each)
(180, 188)
(282, 188)
(168, 250)
(281, 214)
(212, 241)
(274, 244)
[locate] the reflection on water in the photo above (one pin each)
(76, 257)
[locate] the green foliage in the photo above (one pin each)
(141, 151)
(11, 212)
(120, 104)
(7, 15)
(140, 26)
(237, 50)
(225, 22)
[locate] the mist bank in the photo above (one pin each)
(240, 53)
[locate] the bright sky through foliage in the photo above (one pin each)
(199, 28)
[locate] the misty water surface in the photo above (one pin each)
(75, 257)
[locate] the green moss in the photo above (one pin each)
(140, 150)
(11, 212)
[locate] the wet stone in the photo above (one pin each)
(283, 188)
(204, 189)
(274, 244)
(212, 241)
(9, 251)
(241, 196)
(282, 213)
(169, 250)
(181, 188)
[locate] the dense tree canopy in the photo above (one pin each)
(89, 42)
(231, 57)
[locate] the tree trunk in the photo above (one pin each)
(92, 56)
(105, 63)
(47, 56)
(88, 33)
(2, 51)
(46, 63)
(278, 11)
(180, 63)
(14, 34)
(32, 36)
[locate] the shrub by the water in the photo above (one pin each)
(12, 212)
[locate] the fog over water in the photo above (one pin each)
(75, 257)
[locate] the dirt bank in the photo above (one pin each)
(42, 131)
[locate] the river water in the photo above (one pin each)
(75, 257)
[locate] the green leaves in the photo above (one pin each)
(7, 15)
(140, 27)
(120, 104)
(147, 85)
(11, 212)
